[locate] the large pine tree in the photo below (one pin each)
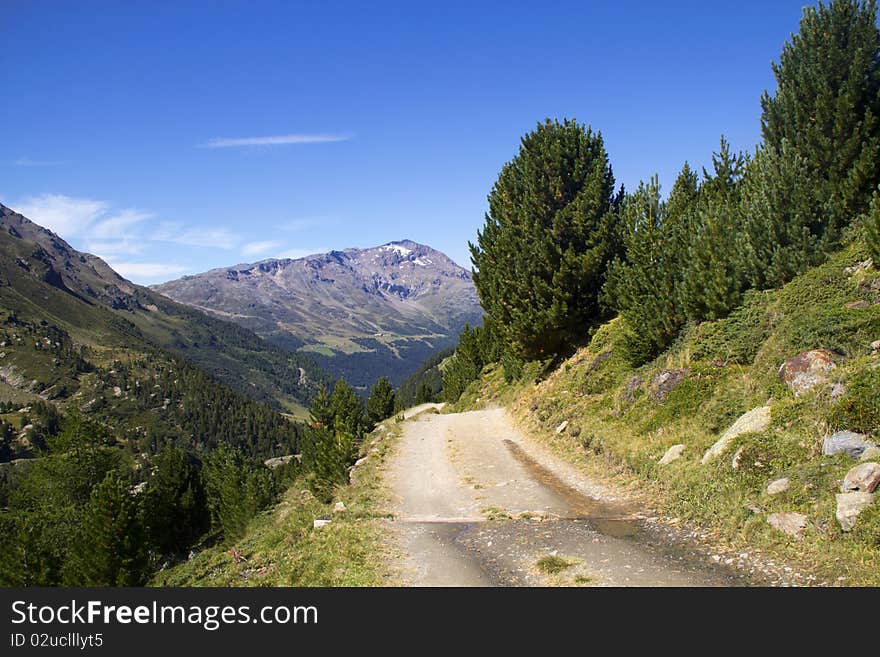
(782, 215)
(111, 547)
(540, 258)
(827, 102)
(642, 287)
(381, 403)
(714, 270)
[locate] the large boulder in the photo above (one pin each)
(789, 522)
(672, 454)
(863, 478)
(805, 371)
(665, 382)
(846, 442)
(849, 506)
(754, 421)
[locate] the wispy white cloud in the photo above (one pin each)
(256, 248)
(274, 140)
(147, 270)
(119, 225)
(108, 249)
(177, 234)
(28, 162)
(65, 215)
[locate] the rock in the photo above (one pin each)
(859, 266)
(381, 428)
(339, 507)
(754, 421)
(838, 390)
(848, 442)
(561, 427)
(849, 506)
(857, 305)
(806, 370)
(863, 478)
(737, 458)
(870, 454)
(778, 486)
(875, 345)
(320, 522)
(789, 522)
(278, 461)
(665, 382)
(631, 386)
(672, 454)
(360, 461)
(117, 391)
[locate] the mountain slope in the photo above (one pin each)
(733, 407)
(44, 279)
(363, 313)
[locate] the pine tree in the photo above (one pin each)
(424, 394)
(110, 548)
(175, 505)
(642, 287)
(827, 101)
(782, 217)
(237, 489)
(714, 273)
(320, 413)
(348, 411)
(465, 365)
(380, 405)
(540, 258)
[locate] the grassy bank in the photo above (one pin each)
(621, 419)
(283, 548)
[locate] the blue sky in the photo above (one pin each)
(173, 137)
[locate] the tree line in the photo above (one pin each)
(562, 249)
(154, 460)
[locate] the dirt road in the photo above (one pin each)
(477, 504)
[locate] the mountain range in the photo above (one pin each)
(46, 282)
(360, 313)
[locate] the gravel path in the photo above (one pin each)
(477, 504)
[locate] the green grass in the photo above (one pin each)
(618, 431)
(553, 564)
(282, 548)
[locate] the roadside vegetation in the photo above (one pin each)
(283, 546)
(711, 347)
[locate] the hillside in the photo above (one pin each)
(777, 379)
(361, 313)
(44, 279)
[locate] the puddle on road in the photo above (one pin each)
(606, 518)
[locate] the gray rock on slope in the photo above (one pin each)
(778, 486)
(846, 442)
(863, 478)
(672, 454)
(789, 522)
(849, 506)
(754, 421)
